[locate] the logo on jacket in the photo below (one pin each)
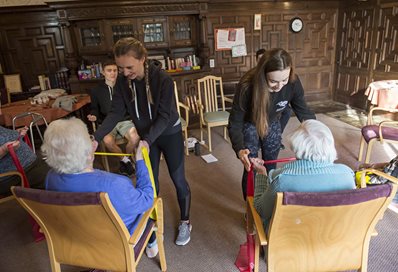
(280, 106)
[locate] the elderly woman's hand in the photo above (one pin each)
(258, 165)
(23, 131)
(138, 153)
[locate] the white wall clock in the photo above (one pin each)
(296, 24)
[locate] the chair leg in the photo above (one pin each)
(104, 159)
(201, 132)
(256, 254)
(209, 137)
(369, 150)
(225, 133)
(55, 266)
(162, 255)
(361, 149)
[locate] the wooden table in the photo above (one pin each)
(12, 109)
(383, 93)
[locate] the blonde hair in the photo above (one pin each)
(67, 146)
(133, 47)
(272, 60)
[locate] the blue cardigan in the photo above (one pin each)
(130, 202)
(299, 176)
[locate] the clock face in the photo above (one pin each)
(296, 24)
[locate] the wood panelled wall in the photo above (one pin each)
(343, 46)
(367, 48)
(313, 49)
(31, 43)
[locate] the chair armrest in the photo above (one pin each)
(6, 174)
(135, 237)
(227, 99)
(258, 223)
(386, 124)
(180, 104)
(379, 165)
(11, 173)
(370, 114)
(379, 173)
(186, 108)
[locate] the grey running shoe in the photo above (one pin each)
(184, 234)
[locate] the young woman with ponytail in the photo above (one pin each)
(146, 94)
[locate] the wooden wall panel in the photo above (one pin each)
(33, 48)
(313, 49)
(34, 51)
(386, 50)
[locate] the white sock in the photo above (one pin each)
(125, 159)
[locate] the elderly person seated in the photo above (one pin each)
(69, 151)
(35, 168)
(313, 171)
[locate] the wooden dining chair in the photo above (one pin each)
(383, 131)
(328, 231)
(184, 121)
(84, 229)
(212, 106)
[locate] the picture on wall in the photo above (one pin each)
(257, 21)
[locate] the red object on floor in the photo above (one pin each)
(245, 259)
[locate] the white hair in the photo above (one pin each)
(67, 146)
(313, 141)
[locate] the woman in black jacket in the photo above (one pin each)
(145, 92)
(263, 94)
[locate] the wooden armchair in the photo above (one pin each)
(320, 231)
(84, 229)
(212, 106)
(384, 131)
(184, 121)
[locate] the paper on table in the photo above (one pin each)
(209, 158)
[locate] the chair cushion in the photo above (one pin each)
(216, 116)
(338, 198)
(372, 131)
(140, 244)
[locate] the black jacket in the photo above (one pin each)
(100, 101)
(163, 110)
(292, 93)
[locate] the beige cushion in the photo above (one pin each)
(216, 116)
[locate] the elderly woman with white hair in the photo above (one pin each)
(313, 171)
(69, 151)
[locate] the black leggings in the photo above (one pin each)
(172, 147)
